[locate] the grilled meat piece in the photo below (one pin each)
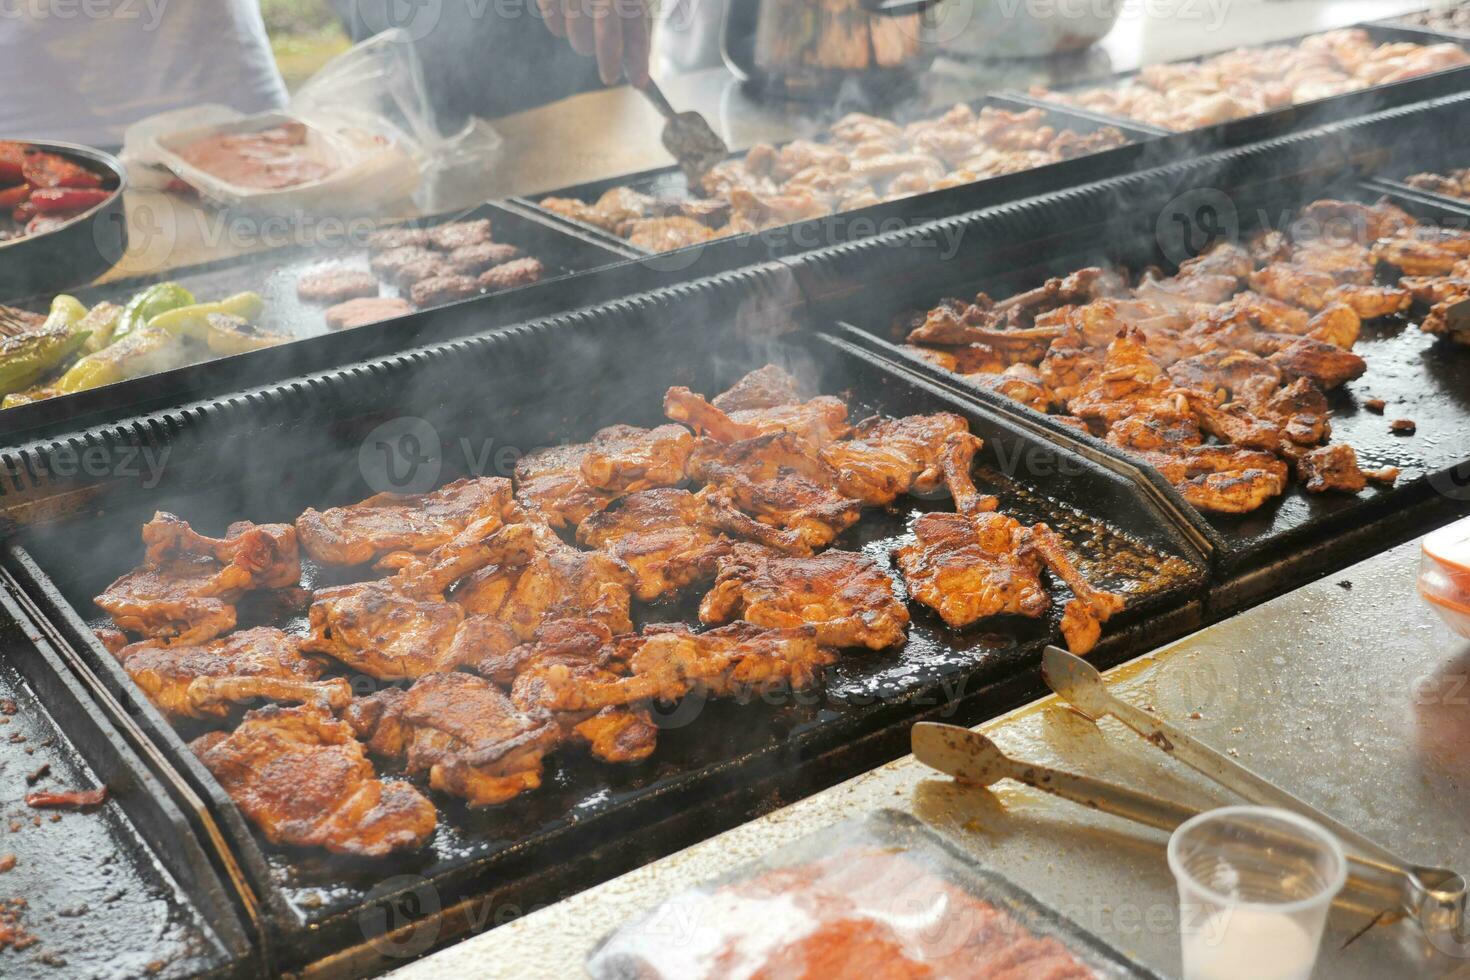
(1324, 363)
(1441, 321)
(1371, 302)
(1306, 288)
(970, 567)
(554, 482)
(886, 457)
(406, 264)
(186, 588)
(1424, 250)
(387, 239)
(394, 522)
(335, 285)
(845, 596)
(666, 234)
(765, 387)
(471, 260)
(1222, 479)
(1335, 467)
(819, 421)
(1084, 614)
(304, 779)
(440, 289)
(205, 680)
(462, 731)
(1352, 221)
(1346, 261)
(458, 234)
(779, 480)
(361, 312)
(1222, 370)
(509, 275)
(546, 580)
(1337, 324)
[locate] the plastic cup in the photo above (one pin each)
(1255, 885)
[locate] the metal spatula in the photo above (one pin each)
(1434, 896)
(687, 136)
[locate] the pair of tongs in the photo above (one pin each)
(1434, 897)
(687, 136)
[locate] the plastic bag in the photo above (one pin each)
(367, 112)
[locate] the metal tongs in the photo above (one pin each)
(1434, 897)
(687, 136)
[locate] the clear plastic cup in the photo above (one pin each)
(1255, 885)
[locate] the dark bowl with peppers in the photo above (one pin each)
(61, 215)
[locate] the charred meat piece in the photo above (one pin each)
(886, 457)
(1372, 302)
(508, 275)
(395, 263)
(819, 421)
(1335, 467)
(457, 234)
(546, 579)
(845, 596)
(1424, 251)
(460, 730)
(1222, 479)
(779, 480)
(1352, 221)
(304, 779)
(439, 289)
(186, 588)
(623, 458)
(765, 387)
(361, 312)
(1337, 324)
(1345, 261)
(471, 260)
(1306, 288)
(394, 522)
(970, 567)
(335, 285)
(205, 680)
(1324, 363)
(387, 239)
(1223, 370)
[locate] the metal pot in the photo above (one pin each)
(810, 47)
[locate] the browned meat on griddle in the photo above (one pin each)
(1220, 259)
(845, 596)
(335, 285)
(1372, 302)
(765, 387)
(817, 421)
(1223, 370)
(1090, 607)
(1350, 220)
(457, 234)
(1298, 286)
(666, 234)
(1222, 479)
(1348, 262)
(361, 312)
(1424, 250)
(204, 680)
(509, 275)
(1324, 363)
(554, 482)
(971, 567)
(304, 779)
(1335, 467)
(779, 480)
(1445, 319)
(444, 288)
(387, 239)
(886, 457)
(462, 731)
(471, 260)
(1337, 324)
(393, 522)
(404, 266)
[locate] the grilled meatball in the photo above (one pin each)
(442, 289)
(471, 260)
(336, 285)
(389, 264)
(457, 234)
(511, 274)
(390, 238)
(362, 311)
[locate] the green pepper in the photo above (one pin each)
(148, 304)
(66, 311)
(144, 351)
(25, 359)
(236, 335)
(101, 320)
(193, 321)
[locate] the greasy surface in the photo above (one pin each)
(1351, 697)
(98, 903)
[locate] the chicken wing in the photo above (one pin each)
(817, 421)
(205, 680)
(845, 596)
(393, 522)
(566, 484)
(305, 780)
(1090, 607)
(462, 731)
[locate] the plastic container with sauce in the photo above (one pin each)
(1444, 574)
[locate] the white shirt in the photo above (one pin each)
(83, 70)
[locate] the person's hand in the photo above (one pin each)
(616, 31)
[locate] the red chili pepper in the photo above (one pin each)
(12, 162)
(12, 197)
(49, 199)
(24, 211)
(50, 170)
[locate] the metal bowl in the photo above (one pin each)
(1018, 28)
(75, 252)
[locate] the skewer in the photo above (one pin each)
(1435, 897)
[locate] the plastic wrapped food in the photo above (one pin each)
(1444, 574)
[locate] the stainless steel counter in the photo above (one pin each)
(1350, 692)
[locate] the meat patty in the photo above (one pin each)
(362, 311)
(336, 285)
(391, 238)
(511, 274)
(457, 234)
(389, 264)
(442, 289)
(471, 260)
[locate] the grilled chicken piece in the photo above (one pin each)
(1345, 261)
(1188, 290)
(205, 680)
(462, 731)
(1324, 363)
(1129, 383)
(886, 457)
(1084, 614)
(1354, 221)
(845, 596)
(1222, 479)
(1306, 288)
(1337, 324)
(1082, 286)
(1372, 302)
(668, 663)
(1335, 467)
(544, 579)
(1424, 251)
(1223, 370)
(1235, 424)
(305, 780)
(566, 484)
(1299, 408)
(393, 522)
(672, 539)
(970, 567)
(764, 387)
(400, 627)
(819, 421)
(625, 459)
(779, 480)
(1441, 322)
(1220, 259)
(186, 588)
(1269, 314)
